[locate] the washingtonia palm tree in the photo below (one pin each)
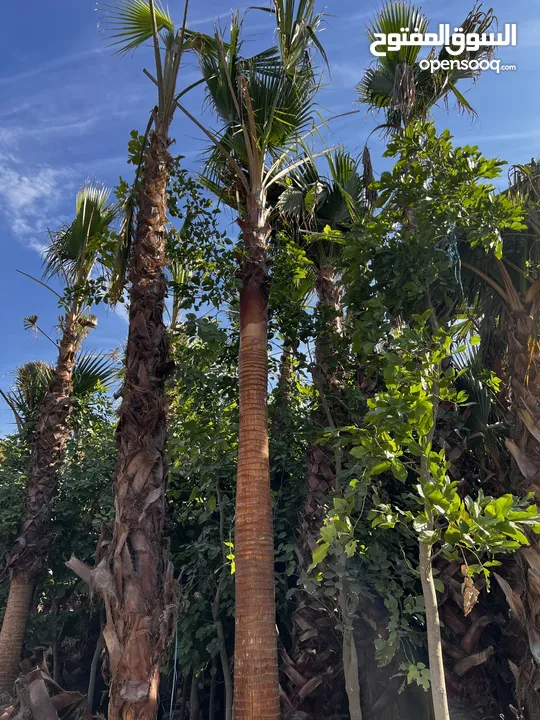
(71, 255)
(264, 104)
(398, 86)
(135, 574)
(504, 297)
(318, 210)
(33, 378)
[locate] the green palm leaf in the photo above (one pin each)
(32, 380)
(93, 370)
(131, 24)
(72, 251)
(397, 84)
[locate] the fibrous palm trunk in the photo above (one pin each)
(317, 651)
(524, 394)
(256, 688)
(49, 447)
(135, 575)
(284, 387)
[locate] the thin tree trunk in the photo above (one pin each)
(213, 687)
(183, 704)
(55, 660)
(433, 631)
(350, 655)
(256, 687)
(139, 588)
(227, 678)
(49, 448)
(283, 388)
(318, 656)
(194, 706)
(93, 673)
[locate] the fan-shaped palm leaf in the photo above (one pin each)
(32, 379)
(73, 250)
(397, 84)
(297, 29)
(93, 370)
(313, 202)
(131, 23)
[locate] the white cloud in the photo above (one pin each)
(121, 311)
(31, 200)
(345, 75)
(508, 137)
(209, 19)
(64, 61)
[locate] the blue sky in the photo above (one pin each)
(68, 105)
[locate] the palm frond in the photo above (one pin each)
(391, 19)
(397, 84)
(72, 250)
(297, 27)
(130, 22)
(262, 110)
(30, 323)
(92, 370)
(28, 391)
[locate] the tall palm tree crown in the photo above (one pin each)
(398, 86)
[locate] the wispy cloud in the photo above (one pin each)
(502, 137)
(64, 61)
(209, 19)
(31, 199)
(122, 312)
(346, 75)
(11, 136)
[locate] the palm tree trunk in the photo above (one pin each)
(13, 629)
(285, 380)
(256, 688)
(524, 396)
(281, 405)
(318, 655)
(139, 589)
(49, 447)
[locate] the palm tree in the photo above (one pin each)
(135, 574)
(318, 210)
(32, 380)
(71, 254)
(264, 104)
(398, 86)
(505, 298)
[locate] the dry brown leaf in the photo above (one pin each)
(463, 666)
(309, 687)
(512, 598)
(469, 591)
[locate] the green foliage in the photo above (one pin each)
(417, 673)
(14, 457)
(132, 25)
(84, 502)
(397, 437)
(202, 257)
(403, 286)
